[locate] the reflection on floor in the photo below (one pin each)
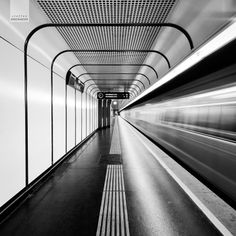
(113, 185)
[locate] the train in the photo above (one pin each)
(198, 129)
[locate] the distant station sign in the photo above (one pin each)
(72, 81)
(112, 95)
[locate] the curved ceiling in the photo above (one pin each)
(117, 42)
(110, 38)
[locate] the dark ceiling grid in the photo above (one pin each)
(112, 76)
(134, 11)
(108, 69)
(118, 79)
(130, 38)
(115, 38)
(112, 57)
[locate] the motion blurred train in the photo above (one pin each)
(199, 129)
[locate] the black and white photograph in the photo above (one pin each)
(117, 117)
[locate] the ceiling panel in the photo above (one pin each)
(109, 38)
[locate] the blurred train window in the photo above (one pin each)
(184, 118)
(214, 114)
(203, 116)
(192, 116)
(158, 117)
(179, 116)
(163, 116)
(170, 115)
(228, 118)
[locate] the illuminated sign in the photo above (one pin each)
(112, 95)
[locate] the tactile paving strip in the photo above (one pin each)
(113, 216)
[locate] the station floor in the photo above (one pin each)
(113, 185)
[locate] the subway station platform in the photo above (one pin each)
(120, 183)
(118, 118)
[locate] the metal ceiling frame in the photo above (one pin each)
(112, 84)
(179, 28)
(108, 50)
(112, 79)
(114, 73)
(103, 80)
(113, 64)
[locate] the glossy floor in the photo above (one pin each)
(70, 202)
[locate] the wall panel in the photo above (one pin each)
(78, 117)
(70, 118)
(39, 110)
(12, 155)
(88, 114)
(96, 113)
(59, 117)
(84, 117)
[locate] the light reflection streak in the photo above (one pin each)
(220, 40)
(151, 206)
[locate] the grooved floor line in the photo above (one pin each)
(113, 216)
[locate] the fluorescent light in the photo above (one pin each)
(220, 40)
(224, 91)
(229, 95)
